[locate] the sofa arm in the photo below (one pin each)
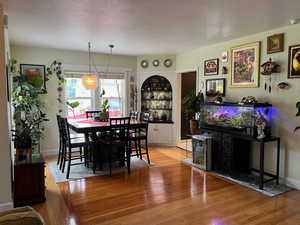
(21, 216)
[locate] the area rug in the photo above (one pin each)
(251, 181)
(80, 171)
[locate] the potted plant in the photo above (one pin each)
(104, 115)
(192, 102)
(28, 116)
(73, 106)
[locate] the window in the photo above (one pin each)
(76, 92)
(114, 92)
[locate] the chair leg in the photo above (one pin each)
(80, 152)
(93, 156)
(110, 160)
(128, 157)
(69, 163)
(136, 148)
(64, 155)
(59, 152)
(147, 152)
(140, 149)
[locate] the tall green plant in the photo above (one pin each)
(73, 106)
(192, 102)
(28, 113)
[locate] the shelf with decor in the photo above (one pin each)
(156, 93)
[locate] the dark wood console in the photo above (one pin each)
(231, 154)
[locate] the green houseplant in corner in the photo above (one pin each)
(28, 116)
(192, 103)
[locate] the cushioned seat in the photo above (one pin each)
(21, 216)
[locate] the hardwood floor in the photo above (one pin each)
(167, 193)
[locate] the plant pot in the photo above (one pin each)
(194, 129)
(103, 116)
(23, 153)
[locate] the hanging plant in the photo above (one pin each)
(56, 69)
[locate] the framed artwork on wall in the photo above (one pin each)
(245, 65)
(275, 43)
(294, 62)
(215, 87)
(35, 75)
(211, 67)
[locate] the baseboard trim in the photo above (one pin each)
(6, 206)
(49, 152)
(294, 183)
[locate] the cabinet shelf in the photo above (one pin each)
(156, 98)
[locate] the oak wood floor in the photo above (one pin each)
(167, 193)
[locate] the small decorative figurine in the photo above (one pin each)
(224, 70)
(248, 100)
(218, 100)
(283, 85)
(261, 124)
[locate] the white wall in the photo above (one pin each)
(283, 100)
(45, 56)
(5, 161)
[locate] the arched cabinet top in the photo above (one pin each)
(156, 83)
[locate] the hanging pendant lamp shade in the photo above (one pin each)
(90, 80)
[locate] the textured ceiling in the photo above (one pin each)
(139, 27)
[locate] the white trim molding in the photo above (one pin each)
(294, 183)
(49, 152)
(6, 206)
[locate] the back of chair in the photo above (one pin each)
(65, 130)
(134, 115)
(145, 116)
(58, 118)
(92, 114)
(119, 128)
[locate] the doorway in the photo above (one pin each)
(188, 84)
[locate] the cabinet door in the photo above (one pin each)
(160, 134)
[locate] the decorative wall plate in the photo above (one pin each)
(168, 63)
(155, 63)
(144, 63)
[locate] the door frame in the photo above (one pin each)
(178, 100)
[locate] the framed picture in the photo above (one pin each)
(215, 87)
(211, 67)
(294, 61)
(244, 66)
(275, 43)
(35, 75)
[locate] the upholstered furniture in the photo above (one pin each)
(21, 216)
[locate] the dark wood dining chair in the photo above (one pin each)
(92, 114)
(61, 141)
(134, 115)
(140, 139)
(116, 142)
(70, 151)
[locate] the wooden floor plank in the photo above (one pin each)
(169, 192)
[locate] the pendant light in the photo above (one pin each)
(90, 80)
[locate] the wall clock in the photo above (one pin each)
(155, 63)
(144, 63)
(168, 63)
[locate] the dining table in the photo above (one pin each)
(90, 128)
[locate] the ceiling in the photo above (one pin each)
(141, 27)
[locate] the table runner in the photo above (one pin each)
(92, 121)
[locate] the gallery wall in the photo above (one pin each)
(283, 100)
(45, 56)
